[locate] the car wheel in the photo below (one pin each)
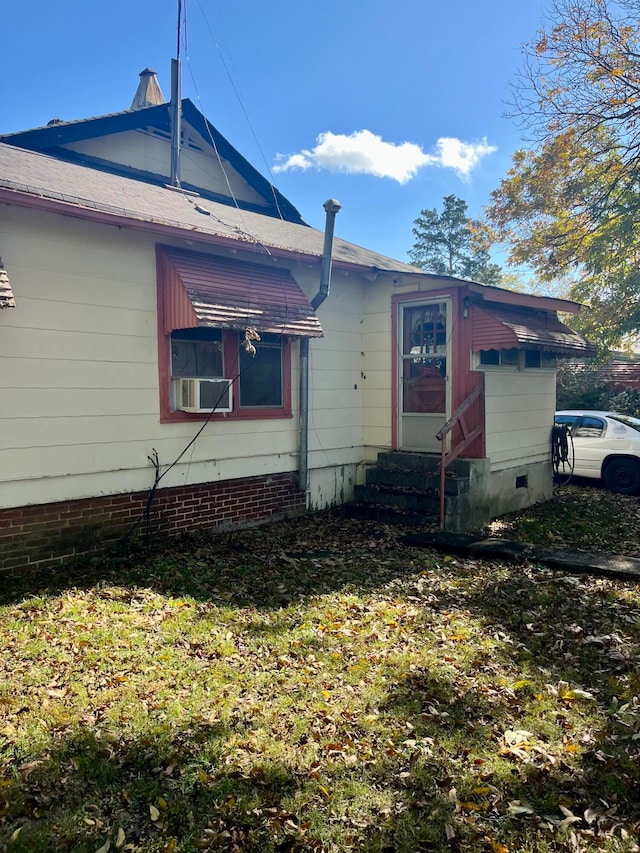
(622, 476)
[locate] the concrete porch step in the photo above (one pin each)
(416, 480)
(422, 501)
(426, 463)
(404, 488)
(388, 515)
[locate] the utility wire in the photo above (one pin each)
(242, 107)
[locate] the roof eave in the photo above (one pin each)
(62, 133)
(491, 293)
(164, 230)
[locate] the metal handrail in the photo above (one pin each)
(467, 437)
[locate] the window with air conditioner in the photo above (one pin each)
(212, 370)
(198, 383)
(204, 395)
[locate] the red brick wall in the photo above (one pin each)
(45, 535)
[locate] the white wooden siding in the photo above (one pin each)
(519, 408)
(376, 366)
(79, 410)
(137, 149)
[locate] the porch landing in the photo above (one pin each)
(403, 488)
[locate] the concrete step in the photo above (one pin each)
(426, 463)
(422, 501)
(416, 480)
(388, 515)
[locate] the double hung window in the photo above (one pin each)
(225, 328)
(213, 369)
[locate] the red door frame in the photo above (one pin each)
(464, 379)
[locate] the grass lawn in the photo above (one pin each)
(318, 686)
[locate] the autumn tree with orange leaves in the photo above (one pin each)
(570, 206)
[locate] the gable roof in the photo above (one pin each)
(51, 139)
(42, 181)
(37, 170)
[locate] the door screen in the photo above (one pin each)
(424, 359)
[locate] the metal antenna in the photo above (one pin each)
(176, 107)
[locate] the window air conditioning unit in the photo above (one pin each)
(204, 395)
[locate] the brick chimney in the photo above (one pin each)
(148, 93)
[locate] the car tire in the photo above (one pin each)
(622, 476)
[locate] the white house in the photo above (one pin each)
(131, 307)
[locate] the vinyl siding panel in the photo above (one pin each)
(151, 153)
(376, 380)
(519, 407)
(79, 378)
(69, 344)
(335, 436)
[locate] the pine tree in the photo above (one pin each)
(449, 243)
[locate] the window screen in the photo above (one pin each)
(196, 353)
(261, 374)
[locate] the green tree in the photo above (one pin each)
(449, 243)
(570, 206)
(582, 73)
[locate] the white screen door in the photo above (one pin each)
(424, 387)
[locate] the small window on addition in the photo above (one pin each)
(532, 358)
(509, 357)
(489, 356)
(502, 357)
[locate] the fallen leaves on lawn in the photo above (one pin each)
(317, 686)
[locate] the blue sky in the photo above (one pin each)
(386, 106)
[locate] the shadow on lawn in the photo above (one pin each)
(265, 567)
(585, 635)
(83, 792)
(546, 617)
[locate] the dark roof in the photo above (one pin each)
(52, 137)
(34, 179)
(622, 372)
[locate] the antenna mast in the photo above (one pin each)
(176, 108)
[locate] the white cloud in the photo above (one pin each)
(462, 156)
(363, 152)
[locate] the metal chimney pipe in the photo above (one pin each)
(331, 207)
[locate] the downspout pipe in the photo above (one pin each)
(331, 207)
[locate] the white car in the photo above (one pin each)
(602, 445)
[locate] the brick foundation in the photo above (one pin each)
(47, 534)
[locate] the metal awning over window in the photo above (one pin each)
(206, 290)
(6, 294)
(497, 327)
